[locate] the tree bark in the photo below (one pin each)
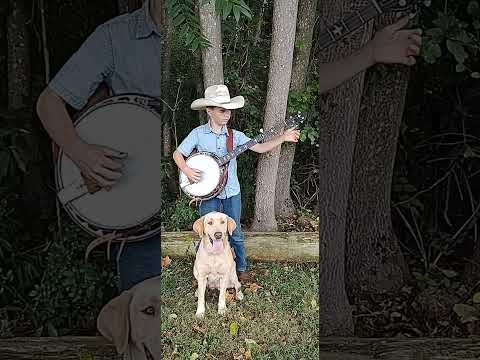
(279, 77)
(166, 78)
(374, 260)
(19, 71)
(284, 206)
(338, 124)
(212, 59)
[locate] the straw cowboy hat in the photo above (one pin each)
(218, 95)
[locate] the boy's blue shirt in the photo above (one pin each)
(203, 138)
(124, 52)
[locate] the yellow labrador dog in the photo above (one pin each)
(132, 321)
(214, 265)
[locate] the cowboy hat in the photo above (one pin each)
(218, 95)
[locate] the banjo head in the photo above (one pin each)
(211, 176)
(127, 126)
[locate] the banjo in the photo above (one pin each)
(214, 168)
(129, 123)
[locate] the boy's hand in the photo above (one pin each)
(291, 135)
(393, 44)
(193, 175)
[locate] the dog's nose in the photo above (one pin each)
(218, 235)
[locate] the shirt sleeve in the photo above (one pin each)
(92, 63)
(239, 138)
(189, 143)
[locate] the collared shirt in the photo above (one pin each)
(125, 52)
(203, 138)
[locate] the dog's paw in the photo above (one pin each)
(222, 310)
(200, 314)
(239, 295)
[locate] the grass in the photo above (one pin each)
(277, 319)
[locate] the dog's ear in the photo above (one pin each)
(198, 226)
(231, 225)
(113, 322)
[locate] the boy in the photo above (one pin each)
(212, 137)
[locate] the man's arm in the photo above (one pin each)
(390, 45)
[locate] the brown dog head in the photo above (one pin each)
(213, 229)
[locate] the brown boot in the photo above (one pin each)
(246, 277)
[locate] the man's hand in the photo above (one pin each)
(99, 163)
(394, 45)
(291, 135)
(193, 175)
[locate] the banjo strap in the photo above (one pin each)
(229, 140)
(229, 145)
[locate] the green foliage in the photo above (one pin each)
(225, 7)
(453, 35)
(180, 216)
(305, 101)
(71, 292)
(187, 24)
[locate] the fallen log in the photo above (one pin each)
(261, 246)
(97, 348)
(404, 349)
(58, 348)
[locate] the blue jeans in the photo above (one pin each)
(232, 207)
(138, 261)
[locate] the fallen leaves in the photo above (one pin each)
(252, 288)
(230, 296)
(199, 329)
(166, 261)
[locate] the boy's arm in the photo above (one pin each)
(390, 45)
(290, 135)
(74, 84)
(186, 147)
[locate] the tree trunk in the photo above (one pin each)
(284, 206)
(279, 77)
(374, 259)
(212, 60)
(19, 72)
(167, 92)
(338, 124)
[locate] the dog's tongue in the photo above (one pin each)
(217, 245)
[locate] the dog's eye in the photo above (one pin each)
(222, 222)
(149, 310)
(210, 223)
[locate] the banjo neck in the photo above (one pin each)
(256, 140)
